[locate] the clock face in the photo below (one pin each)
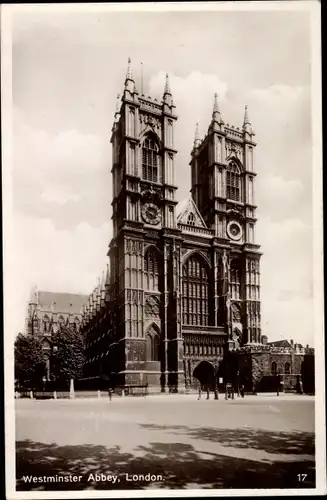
(151, 213)
(234, 230)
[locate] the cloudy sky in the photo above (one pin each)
(67, 69)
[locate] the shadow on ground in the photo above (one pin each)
(180, 464)
(297, 443)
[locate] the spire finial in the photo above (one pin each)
(216, 104)
(129, 75)
(246, 116)
(167, 87)
(216, 116)
(117, 105)
(197, 136)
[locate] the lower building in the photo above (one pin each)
(48, 311)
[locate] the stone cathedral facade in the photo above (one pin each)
(183, 283)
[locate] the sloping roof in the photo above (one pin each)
(280, 343)
(62, 302)
(184, 208)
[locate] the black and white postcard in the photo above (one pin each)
(163, 275)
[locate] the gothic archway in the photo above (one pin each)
(153, 343)
(204, 372)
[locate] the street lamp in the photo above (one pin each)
(238, 383)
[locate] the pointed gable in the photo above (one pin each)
(188, 213)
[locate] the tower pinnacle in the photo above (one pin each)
(216, 116)
(167, 87)
(129, 74)
(246, 117)
(197, 140)
(247, 126)
(117, 111)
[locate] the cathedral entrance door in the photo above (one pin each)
(204, 372)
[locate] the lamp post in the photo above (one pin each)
(277, 382)
(238, 383)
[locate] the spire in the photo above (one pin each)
(167, 87)
(247, 127)
(129, 74)
(197, 140)
(216, 116)
(167, 97)
(246, 117)
(117, 111)
(215, 104)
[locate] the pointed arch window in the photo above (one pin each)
(61, 321)
(152, 344)
(150, 151)
(46, 324)
(235, 280)
(195, 292)
(151, 269)
(76, 324)
(191, 219)
(287, 368)
(274, 368)
(233, 182)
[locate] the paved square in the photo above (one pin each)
(171, 441)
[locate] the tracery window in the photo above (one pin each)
(195, 292)
(61, 322)
(151, 269)
(152, 344)
(46, 324)
(287, 368)
(235, 280)
(233, 185)
(191, 219)
(76, 324)
(274, 368)
(150, 159)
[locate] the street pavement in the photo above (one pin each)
(171, 441)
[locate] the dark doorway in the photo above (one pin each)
(204, 372)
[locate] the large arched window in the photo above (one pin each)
(274, 368)
(151, 269)
(150, 159)
(152, 344)
(233, 184)
(195, 292)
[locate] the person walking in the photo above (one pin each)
(110, 393)
(200, 392)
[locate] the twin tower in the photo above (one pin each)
(184, 284)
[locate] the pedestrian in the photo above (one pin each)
(242, 391)
(208, 392)
(110, 393)
(200, 392)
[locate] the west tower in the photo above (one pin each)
(144, 247)
(223, 180)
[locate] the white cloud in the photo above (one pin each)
(56, 260)
(54, 170)
(286, 279)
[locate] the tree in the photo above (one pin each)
(30, 362)
(68, 358)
